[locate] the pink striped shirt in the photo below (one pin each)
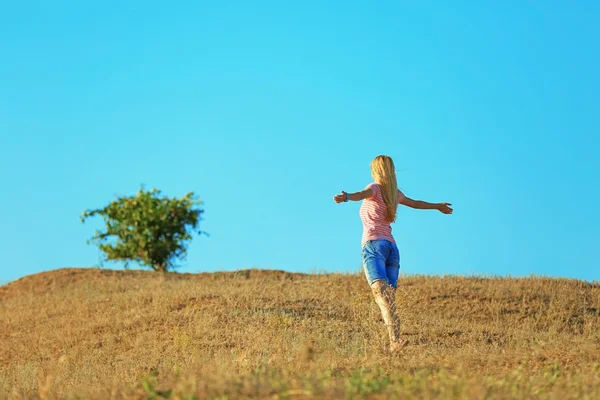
(372, 214)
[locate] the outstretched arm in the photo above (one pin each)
(444, 208)
(358, 196)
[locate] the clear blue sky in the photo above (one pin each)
(266, 109)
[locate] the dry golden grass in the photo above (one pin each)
(91, 333)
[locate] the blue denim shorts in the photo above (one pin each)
(381, 261)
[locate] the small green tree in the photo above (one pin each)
(147, 228)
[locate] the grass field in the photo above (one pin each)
(92, 333)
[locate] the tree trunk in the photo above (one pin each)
(161, 268)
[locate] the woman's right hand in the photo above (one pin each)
(445, 208)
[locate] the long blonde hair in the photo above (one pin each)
(384, 174)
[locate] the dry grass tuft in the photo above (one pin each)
(95, 333)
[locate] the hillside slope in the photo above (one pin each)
(271, 334)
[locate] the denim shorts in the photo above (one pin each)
(381, 261)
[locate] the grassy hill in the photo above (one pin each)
(94, 333)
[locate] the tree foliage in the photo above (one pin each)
(148, 228)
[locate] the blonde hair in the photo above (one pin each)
(384, 174)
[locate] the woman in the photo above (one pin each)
(381, 259)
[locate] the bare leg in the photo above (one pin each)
(385, 297)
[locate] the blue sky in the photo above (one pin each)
(266, 109)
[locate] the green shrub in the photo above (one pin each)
(149, 229)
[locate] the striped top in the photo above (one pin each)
(372, 214)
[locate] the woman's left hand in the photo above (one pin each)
(340, 198)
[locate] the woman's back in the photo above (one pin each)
(373, 213)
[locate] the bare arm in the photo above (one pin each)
(358, 196)
(423, 205)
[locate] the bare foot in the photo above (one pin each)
(396, 346)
